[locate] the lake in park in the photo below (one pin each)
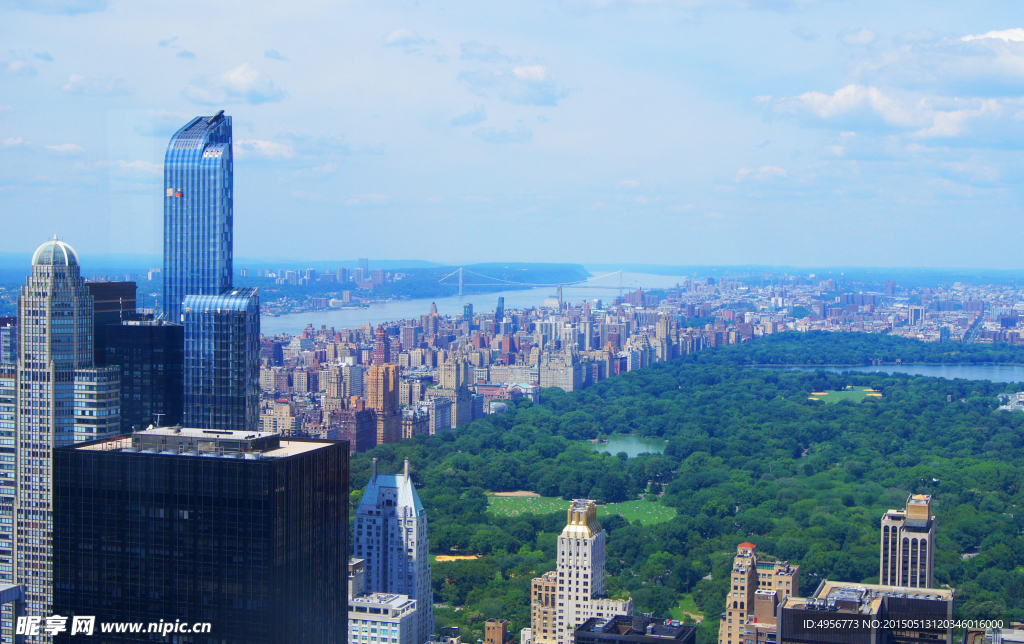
(631, 444)
(993, 372)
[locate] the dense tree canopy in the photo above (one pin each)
(748, 457)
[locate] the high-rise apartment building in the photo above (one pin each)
(222, 369)
(574, 592)
(908, 545)
(198, 212)
(758, 585)
(381, 346)
(60, 396)
(391, 535)
(246, 531)
(382, 397)
(221, 374)
(151, 356)
(499, 311)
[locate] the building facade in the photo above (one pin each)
(57, 390)
(198, 212)
(579, 584)
(391, 536)
(758, 585)
(907, 555)
(221, 360)
(199, 512)
(8, 340)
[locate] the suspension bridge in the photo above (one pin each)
(497, 281)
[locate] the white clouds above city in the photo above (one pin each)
(767, 114)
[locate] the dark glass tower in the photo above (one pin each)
(248, 532)
(222, 360)
(151, 356)
(198, 211)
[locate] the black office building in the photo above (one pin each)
(112, 302)
(151, 355)
(245, 531)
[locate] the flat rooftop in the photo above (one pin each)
(189, 441)
(862, 598)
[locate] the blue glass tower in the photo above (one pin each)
(222, 323)
(198, 212)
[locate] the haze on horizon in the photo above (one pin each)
(676, 132)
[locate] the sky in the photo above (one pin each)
(797, 132)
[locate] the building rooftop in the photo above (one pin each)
(625, 625)
(55, 253)
(188, 441)
(865, 599)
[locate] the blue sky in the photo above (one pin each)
(795, 132)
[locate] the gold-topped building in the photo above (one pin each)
(908, 545)
(574, 592)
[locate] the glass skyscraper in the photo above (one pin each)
(222, 360)
(198, 212)
(222, 323)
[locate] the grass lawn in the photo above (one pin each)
(645, 511)
(686, 605)
(856, 394)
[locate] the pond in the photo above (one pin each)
(631, 444)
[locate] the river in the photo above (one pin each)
(452, 305)
(993, 372)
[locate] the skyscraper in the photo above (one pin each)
(222, 369)
(908, 545)
(60, 394)
(8, 340)
(578, 581)
(391, 535)
(151, 356)
(221, 382)
(382, 396)
(758, 587)
(248, 532)
(499, 311)
(381, 346)
(198, 211)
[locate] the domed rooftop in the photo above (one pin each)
(55, 253)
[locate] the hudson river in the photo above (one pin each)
(452, 305)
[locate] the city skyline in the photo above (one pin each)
(805, 125)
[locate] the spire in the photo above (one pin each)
(373, 475)
(407, 470)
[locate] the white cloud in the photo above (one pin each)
(531, 73)
(1007, 35)
(863, 36)
(629, 183)
(65, 148)
(526, 85)
(95, 86)
(14, 142)
(20, 67)
(268, 149)
(766, 173)
(853, 99)
(243, 84)
(927, 117)
(406, 39)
